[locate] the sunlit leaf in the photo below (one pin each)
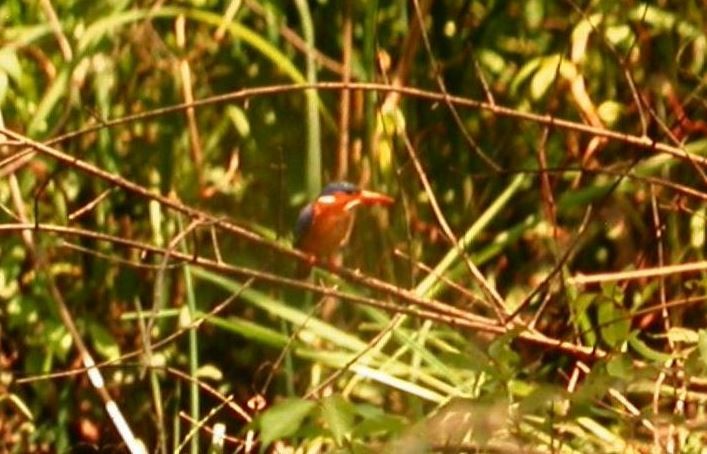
(683, 335)
(614, 323)
(377, 421)
(702, 346)
(10, 64)
(284, 419)
(620, 366)
(103, 341)
(338, 415)
(645, 351)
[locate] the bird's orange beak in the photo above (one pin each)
(367, 198)
(374, 198)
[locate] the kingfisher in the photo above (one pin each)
(325, 224)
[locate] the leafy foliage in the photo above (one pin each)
(539, 282)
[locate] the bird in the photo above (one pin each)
(324, 224)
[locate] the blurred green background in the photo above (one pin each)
(533, 200)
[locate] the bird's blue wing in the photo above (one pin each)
(304, 223)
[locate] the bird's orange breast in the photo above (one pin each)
(330, 227)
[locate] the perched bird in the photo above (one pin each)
(325, 224)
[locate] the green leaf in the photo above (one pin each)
(376, 421)
(505, 357)
(702, 345)
(103, 341)
(620, 366)
(581, 319)
(209, 371)
(609, 111)
(338, 414)
(239, 119)
(534, 13)
(614, 324)
(595, 385)
(697, 228)
(551, 69)
(284, 419)
(4, 83)
(540, 399)
(683, 335)
(543, 78)
(248, 329)
(644, 350)
(10, 64)
(59, 339)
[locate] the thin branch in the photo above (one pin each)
(345, 102)
(443, 88)
(497, 301)
(543, 119)
(185, 75)
(433, 310)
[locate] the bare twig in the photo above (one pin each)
(185, 74)
(443, 88)
(89, 206)
(433, 310)
(640, 142)
(497, 301)
(296, 40)
(345, 101)
(53, 19)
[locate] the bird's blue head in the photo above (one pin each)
(340, 187)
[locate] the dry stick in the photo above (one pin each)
(442, 277)
(484, 84)
(639, 99)
(661, 262)
(434, 310)
(237, 409)
(399, 319)
(407, 54)
(585, 223)
(115, 259)
(197, 153)
(666, 325)
(683, 268)
(557, 268)
(640, 142)
(621, 60)
(370, 346)
(286, 348)
(228, 16)
(89, 206)
(161, 343)
(9, 143)
(41, 265)
(441, 310)
(159, 281)
(497, 301)
(549, 205)
(225, 225)
(55, 25)
(236, 441)
(297, 42)
(443, 88)
(147, 331)
(345, 102)
(613, 392)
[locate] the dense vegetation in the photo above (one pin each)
(538, 284)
